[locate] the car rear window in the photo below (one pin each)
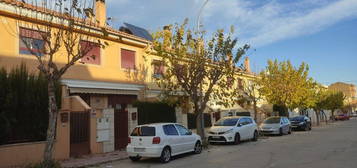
(272, 120)
(226, 122)
(298, 118)
(144, 131)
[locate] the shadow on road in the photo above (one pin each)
(156, 161)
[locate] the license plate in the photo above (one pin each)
(294, 126)
(215, 137)
(139, 149)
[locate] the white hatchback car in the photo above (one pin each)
(233, 129)
(162, 140)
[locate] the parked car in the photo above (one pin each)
(162, 140)
(354, 114)
(233, 129)
(276, 125)
(342, 117)
(301, 122)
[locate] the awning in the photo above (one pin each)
(102, 91)
(96, 87)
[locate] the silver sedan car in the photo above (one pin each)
(276, 125)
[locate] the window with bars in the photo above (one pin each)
(91, 52)
(127, 59)
(31, 42)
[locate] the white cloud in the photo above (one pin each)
(257, 22)
(264, 23)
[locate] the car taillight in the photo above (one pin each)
(129, 140)
(156, 140)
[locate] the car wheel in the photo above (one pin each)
(289, 131)
(134, 158)
(165, 155)
(198, 148)
(255, 136)
(281, 132)
(310, 127)
(236, 139)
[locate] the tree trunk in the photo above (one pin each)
(333, 114)
(255, 110)
(286, 111)
(317, 112)
(323, 113)
(200, 125)
(51, 130)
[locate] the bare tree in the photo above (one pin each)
(60, 28)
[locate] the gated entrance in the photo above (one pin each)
(79, 135)
(119, 103)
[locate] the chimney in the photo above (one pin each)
(247, 64)
(100, 12)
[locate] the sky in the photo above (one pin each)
(322, 33)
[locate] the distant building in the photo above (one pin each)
(349, 90)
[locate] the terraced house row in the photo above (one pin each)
(98, 92)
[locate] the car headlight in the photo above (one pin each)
(229, 131)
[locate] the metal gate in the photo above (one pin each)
(79, 135)
(119, 103)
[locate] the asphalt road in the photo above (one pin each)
(331, 146)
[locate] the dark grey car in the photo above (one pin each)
(301, 122)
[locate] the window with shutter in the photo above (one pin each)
(91, 52)
(127, 59)
(30, 41)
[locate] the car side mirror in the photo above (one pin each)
(189, 133)
(281, 123)
(239, 124)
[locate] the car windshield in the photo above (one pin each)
(298, 118)
(227, 122)
(143, 131)
(272, 120)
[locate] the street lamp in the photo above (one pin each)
(199, 15)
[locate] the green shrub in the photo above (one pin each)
(155, 112)
(23, 106)
(191, 120)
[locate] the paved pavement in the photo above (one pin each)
(94, 159)
(331, 146)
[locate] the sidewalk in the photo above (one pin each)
(94, 159)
